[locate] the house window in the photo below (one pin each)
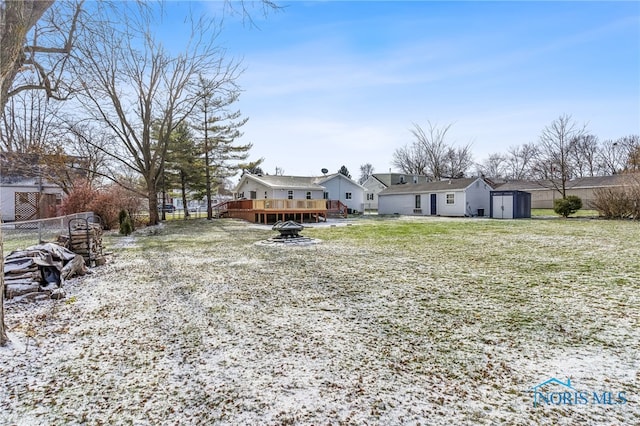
(417, 205)
(290, 195)
(308, 195)
(253, 195)
(369, 197)
(347, 196)
(451, 198)
(325, 195)
(265, 194)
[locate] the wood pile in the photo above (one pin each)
(86, 239)
(40, 270)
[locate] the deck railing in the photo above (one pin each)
(276, 205)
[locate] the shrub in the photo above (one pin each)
(126, 224)
(106, 203)
(619, 202)
(567, 206)
(79, 199)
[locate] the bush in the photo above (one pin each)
(126, 224)
(567, 206)
(106, 203)
(619, 202)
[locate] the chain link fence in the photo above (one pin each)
(31, 232)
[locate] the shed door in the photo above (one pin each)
(503, 206)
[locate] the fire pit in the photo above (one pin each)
(288, 229)
(289, 235)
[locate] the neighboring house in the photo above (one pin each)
(378, 182)
(453, 197)
(339, 187)
(269, 198)
(543, 196)
(23, 198)
(254, 187)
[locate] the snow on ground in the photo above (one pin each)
(200, 325)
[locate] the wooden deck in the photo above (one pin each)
(272, 210)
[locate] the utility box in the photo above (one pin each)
(510, 204)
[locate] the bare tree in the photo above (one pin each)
(410, 160)
(584, 156)
(279, 171)
(141, 93)
(520, 161)
(630, 148)
(366, 170)
(458, 161)
(49, 29)
(553, 165)
(430, 155)
(494, 166)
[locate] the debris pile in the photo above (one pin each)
(39, 271)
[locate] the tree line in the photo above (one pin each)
(565, 150)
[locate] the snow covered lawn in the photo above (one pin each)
(396, 321)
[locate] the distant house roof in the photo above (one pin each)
(323, 179)
(437, 186)
(388, 179)
(586, 182)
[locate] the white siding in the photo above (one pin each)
(338, 187)
(478, 197)
(372, 186)
(466, 202)
(455, 209)
(8, 197)
(396, 204)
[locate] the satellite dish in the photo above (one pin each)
(324, 171)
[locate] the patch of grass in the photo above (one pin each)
(550, 212)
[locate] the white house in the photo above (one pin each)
(28, 198)
(453, 197)
(378, 182)
(339, 187)
(255, 187)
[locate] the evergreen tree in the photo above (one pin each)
(219, 129)
(184, 167)
(343, 170)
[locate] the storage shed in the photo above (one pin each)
(510, 204)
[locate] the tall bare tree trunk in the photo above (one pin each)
(3, 333)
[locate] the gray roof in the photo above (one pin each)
(388, 179)
(322, 179)
(437, 186)
(287, 182)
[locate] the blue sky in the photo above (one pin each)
(331, 83)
